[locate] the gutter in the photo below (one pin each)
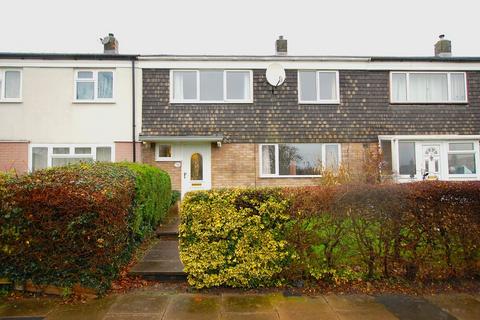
(181, 138)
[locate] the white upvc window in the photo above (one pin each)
(318, 87)
(211, 86)
(462, 159)
(10, 85)
(94, 86)
(428, 87)
(298, 159)
(56, 155)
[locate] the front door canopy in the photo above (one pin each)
(218, 138)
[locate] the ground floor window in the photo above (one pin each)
(298, 159)
(432, 159)
(44, 156)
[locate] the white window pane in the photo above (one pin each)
(83, 150)
(268, 159)
(308, 85)
(61, 150)
(328, 85)
(85, 75)
(461, 163)
(331, 157)
(211, 85)
(386, 146)
(184, 85)
(85, 91)
(238, 85)
(428, 87)
(399, 87)
(296, 159)
(60, 162)
(105, 85)
(39, 158)
(457, 82)
(164, 151)
(104, 154)
(406, 152)
(460, 146)
(12, 84)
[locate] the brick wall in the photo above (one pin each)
(124, 152)
(148, 156)
(14, 155)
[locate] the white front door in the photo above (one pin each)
(196, 167)
(431, 161)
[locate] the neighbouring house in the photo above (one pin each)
(57, 109)
(215, 121)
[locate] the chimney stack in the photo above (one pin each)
(110, 44)
(281, 46)
(443, 47)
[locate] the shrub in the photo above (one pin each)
(78, 224)
(233, 237)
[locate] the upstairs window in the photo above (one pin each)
(10, 85)
(93, 86)
(318, 87)
(428, 87)
(298, 159)
(211, 86)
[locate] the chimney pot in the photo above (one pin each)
(281, 46)
(110, 44)
(443, 47)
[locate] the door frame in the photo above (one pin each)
(187, 149)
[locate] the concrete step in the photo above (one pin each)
(160, 262)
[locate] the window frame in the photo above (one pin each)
(157, 149)
(449, 89)
(3, 99)
(71, 154)
(197, 100)
(474, 151)
(277, 164)
(318, 100)
(96, 99)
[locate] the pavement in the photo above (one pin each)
(153, 303)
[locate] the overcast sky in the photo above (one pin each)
(335, 27)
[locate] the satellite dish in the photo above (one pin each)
(275, 74)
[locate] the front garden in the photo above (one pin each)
(428, 231)
(78, 225)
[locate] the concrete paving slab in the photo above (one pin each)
(461, 306)
(411, 307)
(247, 303)
(163, 266)
(194, 307)
(358, 307)
(28, 307)
(139, 304)
(94, 309)
(305, 308)
(133, 317)
(250, 316)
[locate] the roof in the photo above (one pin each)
(66, 56)
(172, 57)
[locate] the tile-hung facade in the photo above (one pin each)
(57, 109)
(215, 121)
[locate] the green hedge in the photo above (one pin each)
(414, 232)
(78, 224)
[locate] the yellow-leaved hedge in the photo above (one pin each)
(234, 237)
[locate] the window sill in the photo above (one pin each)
(212, 102)
(290, 177)
(428, 103)
(11, 101)
(319, 102)
(167, 160)
(93, 102)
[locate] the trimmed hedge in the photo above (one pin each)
(233, 237)
(78, 224)
(417, 231)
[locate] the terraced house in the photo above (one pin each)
(216, 121)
